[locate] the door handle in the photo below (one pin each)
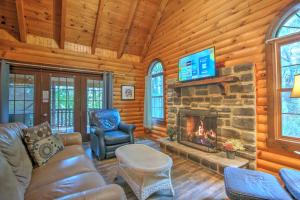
(45, 115)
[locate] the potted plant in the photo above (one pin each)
(171, 133)
(231, 146)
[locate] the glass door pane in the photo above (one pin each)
(62, 104)
(94, 97)
(21, 98)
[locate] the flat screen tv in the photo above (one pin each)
(197, 66)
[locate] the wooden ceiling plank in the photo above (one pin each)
(128, 27)
(21, 20)
(97, 26)
(153, 28)
(63, 24)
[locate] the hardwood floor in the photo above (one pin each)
(190, 181)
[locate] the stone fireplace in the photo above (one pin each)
(198, 129)
(191, 111)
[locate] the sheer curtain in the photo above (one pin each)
(4, 87)
(147, 104)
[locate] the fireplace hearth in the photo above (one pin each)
(198, 129)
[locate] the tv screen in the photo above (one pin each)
(197, 66)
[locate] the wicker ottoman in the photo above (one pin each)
(145, 169)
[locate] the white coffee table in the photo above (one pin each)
(145, 169)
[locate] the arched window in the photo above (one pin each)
(157, 91)
(283, 63)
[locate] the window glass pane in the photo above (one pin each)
(290, 105)
(29, 119)
(29, 93)
(290, 125)
(157, 68)
(292, 25)
(11, 107)
(19, 118)
(94, 97)
(290, 115)
(290, 54)
(287, 75)
(28, 80)
(21, 98)
(157, 91)
(29, 105)
(19, 93)
(62, 104)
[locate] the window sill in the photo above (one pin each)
(288, 145)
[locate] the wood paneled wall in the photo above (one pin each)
(127, 70)
(237, 29)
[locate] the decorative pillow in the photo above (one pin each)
(44, 149)
(41, 144)
(36, 133)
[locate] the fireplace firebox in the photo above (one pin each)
(198, 129)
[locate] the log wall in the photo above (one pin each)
(127, 70)
(237, 29)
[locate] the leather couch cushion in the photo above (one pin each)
(68, 152)
(116, 137)
(14, 151)
(69, 185)
(9, 187)
(108, 192)
(59, 170)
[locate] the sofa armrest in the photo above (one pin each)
(108, 192)
(71, 138)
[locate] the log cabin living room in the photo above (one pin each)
(149, 99)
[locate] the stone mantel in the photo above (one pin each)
(236, 110)
(222, 81)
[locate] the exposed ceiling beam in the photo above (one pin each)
(153, 28)
(97, 26)
(128, 27)
(21, 20)
(63, 14)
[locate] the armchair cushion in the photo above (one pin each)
(106, 119)
(116, 137)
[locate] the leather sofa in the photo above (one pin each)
(70, 174)
(108, 132)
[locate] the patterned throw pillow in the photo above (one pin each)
(41, 144)
(44, 149)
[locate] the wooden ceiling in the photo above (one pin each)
(124, 26)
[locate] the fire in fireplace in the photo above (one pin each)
(198, 128)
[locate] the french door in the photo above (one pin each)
(63, 99)
(62, 102)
